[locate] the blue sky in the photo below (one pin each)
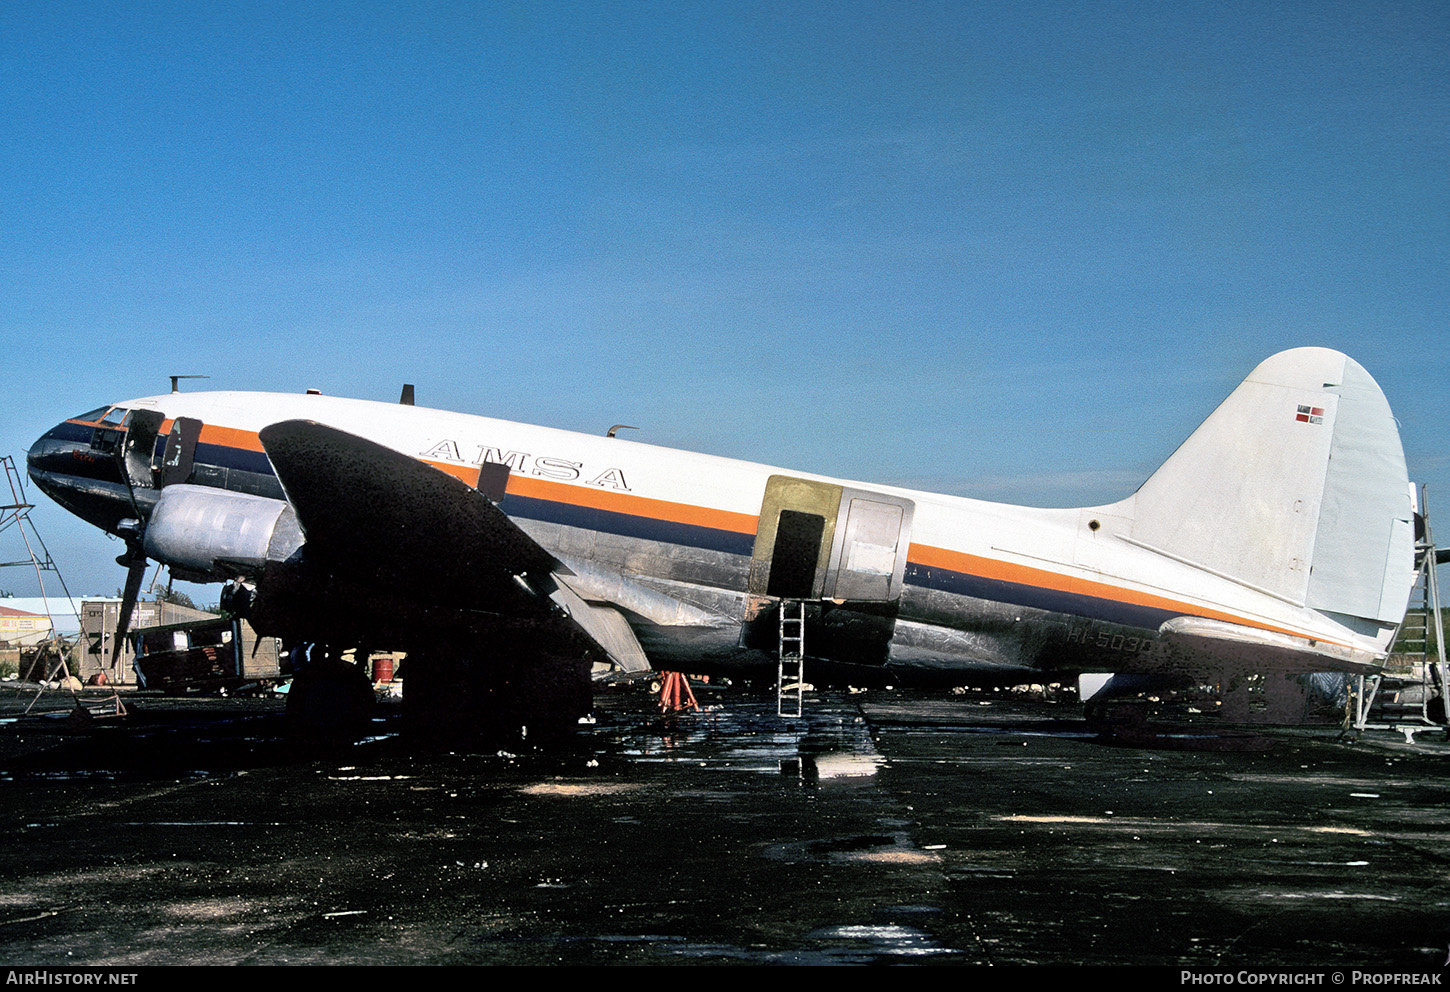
(1012, 251)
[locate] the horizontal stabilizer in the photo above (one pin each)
(1206, 647)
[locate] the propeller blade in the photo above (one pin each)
(135, 562)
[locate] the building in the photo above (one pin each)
(101, 617)
(64, 613)
(19, 628)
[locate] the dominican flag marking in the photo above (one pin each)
(1310, 415)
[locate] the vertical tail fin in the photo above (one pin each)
(1296, 486)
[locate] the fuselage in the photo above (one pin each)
(692, 548)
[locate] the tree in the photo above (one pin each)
(176, 598)
(169, 596)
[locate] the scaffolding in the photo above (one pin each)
(1410, 694)
(16, 515)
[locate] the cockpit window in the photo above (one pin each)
(116, 417)
(93, 416)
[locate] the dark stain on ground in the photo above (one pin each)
(886, 827)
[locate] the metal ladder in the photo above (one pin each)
(790, 672)
(1419, 651)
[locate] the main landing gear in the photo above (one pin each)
(328, 696)
(515, 693)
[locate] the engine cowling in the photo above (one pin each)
(206, 534)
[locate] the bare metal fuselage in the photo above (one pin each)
(695, 552)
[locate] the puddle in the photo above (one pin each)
(113, 775)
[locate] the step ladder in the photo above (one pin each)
(1417, 656)
(790, 672)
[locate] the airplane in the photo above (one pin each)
(508, 560)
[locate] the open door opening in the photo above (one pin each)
(794, 555)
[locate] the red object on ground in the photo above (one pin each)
(675, 694)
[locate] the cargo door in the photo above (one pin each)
(839, 550)
(868, 558)
(794, 540)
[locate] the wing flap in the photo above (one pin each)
(605, 626)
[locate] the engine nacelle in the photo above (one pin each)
(193, 528)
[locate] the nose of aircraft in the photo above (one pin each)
(47, 456)
(66, 458)
(83, 477)
(35, 457)
(56, 450)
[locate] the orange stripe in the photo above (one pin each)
(467, 473)
(745, 523)
(990, 568)
(639, 506)
(231, 437)
(522, 485)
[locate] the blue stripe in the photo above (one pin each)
(1036, 597)
(224, 456)
(219, 456)
(732, 542)
(549, 511)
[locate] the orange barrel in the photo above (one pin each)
(383, 668)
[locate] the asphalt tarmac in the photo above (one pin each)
(884, 827)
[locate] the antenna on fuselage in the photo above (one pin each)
(620, 427)
(406, 399)
(176, 389)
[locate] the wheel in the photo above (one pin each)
(512, 696)
(330, 698)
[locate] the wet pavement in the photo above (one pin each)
(884, 827)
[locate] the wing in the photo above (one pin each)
(379, 518)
